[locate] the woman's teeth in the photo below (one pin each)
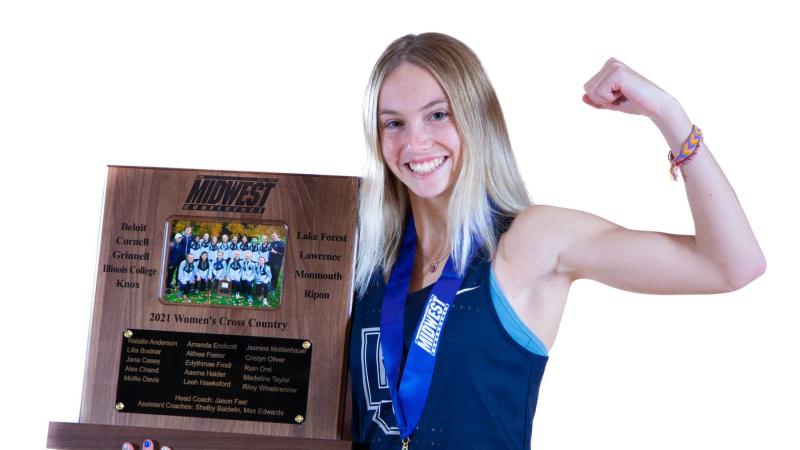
(427, 166)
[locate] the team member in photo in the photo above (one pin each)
(254, 248)
(213, 248)
(186, 242)
(187, 277)
(196, 248)
(235, 272)
(203, 267)
(248, 275)
(205, 242)
(263, 280)
(276, 250)
(263, 249)
(233, 246)
(219, 271)
(244, 246)
(224, 245)
(174, 258)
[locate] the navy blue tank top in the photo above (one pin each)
(485, 384)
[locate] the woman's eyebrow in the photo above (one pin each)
(428, 105)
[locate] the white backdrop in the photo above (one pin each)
(257, 86)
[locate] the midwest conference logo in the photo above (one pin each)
(229, 194)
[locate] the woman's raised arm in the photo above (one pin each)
(723, 255)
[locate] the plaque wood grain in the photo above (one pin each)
(152, 197)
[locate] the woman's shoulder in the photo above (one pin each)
(536, 235)
(547, 218)
(543, 219)
(542, 211)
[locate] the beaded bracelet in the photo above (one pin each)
(690, 146)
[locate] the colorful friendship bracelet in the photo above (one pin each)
(688, 150)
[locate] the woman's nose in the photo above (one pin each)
(419, 138)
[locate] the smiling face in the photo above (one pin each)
(419, 139)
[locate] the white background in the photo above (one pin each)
(257, 86)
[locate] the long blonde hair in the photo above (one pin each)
(488, 173)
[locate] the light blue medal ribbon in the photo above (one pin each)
(409, 400)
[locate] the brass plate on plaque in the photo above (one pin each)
(213, 375)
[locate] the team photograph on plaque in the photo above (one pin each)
(221, 311)
(224, 263)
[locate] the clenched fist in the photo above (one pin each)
(619, 88)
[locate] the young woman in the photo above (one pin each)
(219, 271)
(447, 231)
(248, 275)
(233, 246)
(225, 246)
(263, 248)
(243, 245)
(254, 248)
(263, 280)
(196, 248)
(213, 248)
(235, 272)
(187, 277)
(203, 268)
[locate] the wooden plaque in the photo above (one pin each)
(264, 356)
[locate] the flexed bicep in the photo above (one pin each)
(577, 245)
(650, 262)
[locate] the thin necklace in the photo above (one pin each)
(434, 262)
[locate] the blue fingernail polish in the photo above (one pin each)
(148, 443)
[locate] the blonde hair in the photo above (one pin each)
(489, 183)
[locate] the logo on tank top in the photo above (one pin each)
(427, 337)
(376, 386)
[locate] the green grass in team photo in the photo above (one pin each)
(211, 297)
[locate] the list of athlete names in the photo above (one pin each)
(215, 376)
